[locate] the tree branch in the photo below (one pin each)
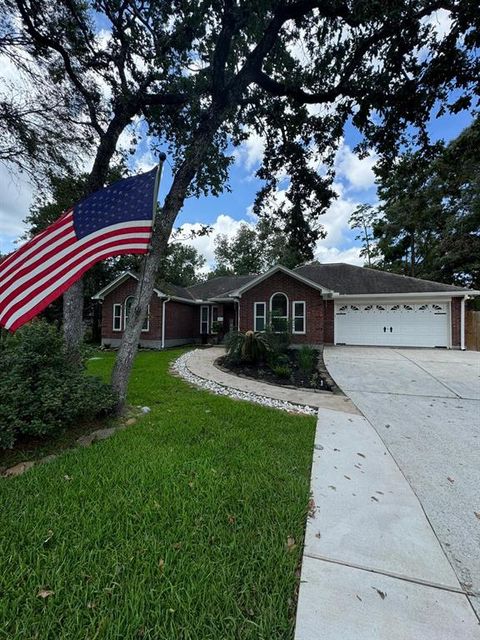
(277, 88)
(46, 41)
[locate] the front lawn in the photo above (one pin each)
(176, 528)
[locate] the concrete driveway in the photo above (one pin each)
(425, 406)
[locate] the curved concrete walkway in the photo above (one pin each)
(201, 364)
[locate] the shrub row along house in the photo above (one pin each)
(321, 303)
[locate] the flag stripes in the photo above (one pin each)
(47, 265)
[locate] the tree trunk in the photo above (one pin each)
(164, 221)
(73, 320)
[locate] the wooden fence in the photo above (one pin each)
(472, 330)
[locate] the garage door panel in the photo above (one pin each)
(399, 324)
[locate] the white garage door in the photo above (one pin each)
(401, 324)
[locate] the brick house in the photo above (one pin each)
(320, 303)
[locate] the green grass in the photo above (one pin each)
(174, 529)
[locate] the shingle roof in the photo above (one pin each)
(345, 279)
(218, 287)
(348, 279)
(173, 290)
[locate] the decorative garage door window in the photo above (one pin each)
(439, 309)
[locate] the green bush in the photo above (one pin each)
(282, 371)
(279, 341)
(40, 390)
(247, 347)
(306, 359)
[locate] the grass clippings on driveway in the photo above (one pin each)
(176, 528)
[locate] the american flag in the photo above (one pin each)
(113, 221)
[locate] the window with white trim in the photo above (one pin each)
(204, 317)
(117, 317)
(259, 316)
(127, 308)
(279, 311)
(299, 317)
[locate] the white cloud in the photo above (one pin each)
(441, 21)
(17, 196)
(145, 162)
(205, 245)
(332, 254)
(357, 173)
(250, 153)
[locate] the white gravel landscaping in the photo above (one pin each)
(180, 367)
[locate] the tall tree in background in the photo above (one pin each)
(206, 75)
(181, 264)
(456, 176)
(254, 249)
(428, 221)
(410, 217)
(363, 219)
(240, 254)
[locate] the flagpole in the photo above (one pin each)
(161, 160)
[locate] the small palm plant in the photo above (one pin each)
(248, 346)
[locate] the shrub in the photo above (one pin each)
(41, 390)
(306, 359)
(279, 341)
(247, 347)
(282, 371)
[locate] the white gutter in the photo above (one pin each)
(393, 296)
(163, 321)
(462, 323)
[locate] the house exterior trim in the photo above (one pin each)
(350, 297)
(264, 276)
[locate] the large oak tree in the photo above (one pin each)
(207, 74)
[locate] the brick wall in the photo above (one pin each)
(181, 320)
(295, 290)
(118, 296)
(456, 321)
(329, 322)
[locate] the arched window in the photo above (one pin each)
(127, 306)
(279, 311)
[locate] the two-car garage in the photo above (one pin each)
(398, 323)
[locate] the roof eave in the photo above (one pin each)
(100, 295)
(237, 293)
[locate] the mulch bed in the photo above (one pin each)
(317, 379)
